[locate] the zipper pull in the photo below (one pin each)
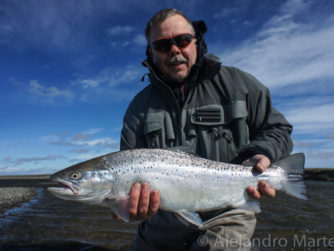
(228, 138)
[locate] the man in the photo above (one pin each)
(221, 112)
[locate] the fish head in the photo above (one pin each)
(89, 181)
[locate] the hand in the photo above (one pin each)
(261, 163)
(143, 204)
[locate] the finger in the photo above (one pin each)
(262, 164)
(134, 199)
(154, 203)
(144, 200)
(252, 192)
(265, 189)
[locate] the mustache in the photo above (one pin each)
(176, 60)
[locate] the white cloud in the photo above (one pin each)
(110, 84)
(84, 145)
(286, 51)
(321, 155)
(89, 83)
(83, 139)
(106, 142)
(111, 77)
(313, 130)
(320, 159)
(86, 156)
(26, 170)
(86, 134)
(10, 162)
(68, 147)
(120, 30)
(38, 92)
(140, 40)
(314, 143)
(126, 43)
(35, 88)
(129, 74)
(312, 120)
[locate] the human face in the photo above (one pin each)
(177, 62)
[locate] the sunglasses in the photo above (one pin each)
(165, 44)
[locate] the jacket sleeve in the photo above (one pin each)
(132, 135)
(269, 131)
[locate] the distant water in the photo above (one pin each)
(48, 223)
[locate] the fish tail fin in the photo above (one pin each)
(293, 166)
(296, 189)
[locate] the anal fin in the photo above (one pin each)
(187, 217)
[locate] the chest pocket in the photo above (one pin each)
(219, 132)
(158, 130)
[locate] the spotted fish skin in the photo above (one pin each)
(186, 183)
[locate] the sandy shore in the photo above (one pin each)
(14, 196)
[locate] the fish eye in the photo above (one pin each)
(75, 176)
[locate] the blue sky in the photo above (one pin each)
(68, 70)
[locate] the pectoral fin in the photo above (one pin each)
(187, 217)
(120, 206)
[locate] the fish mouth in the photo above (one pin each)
(67, 185)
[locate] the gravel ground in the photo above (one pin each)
(14, 196)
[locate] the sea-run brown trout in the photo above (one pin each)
(187, 183)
